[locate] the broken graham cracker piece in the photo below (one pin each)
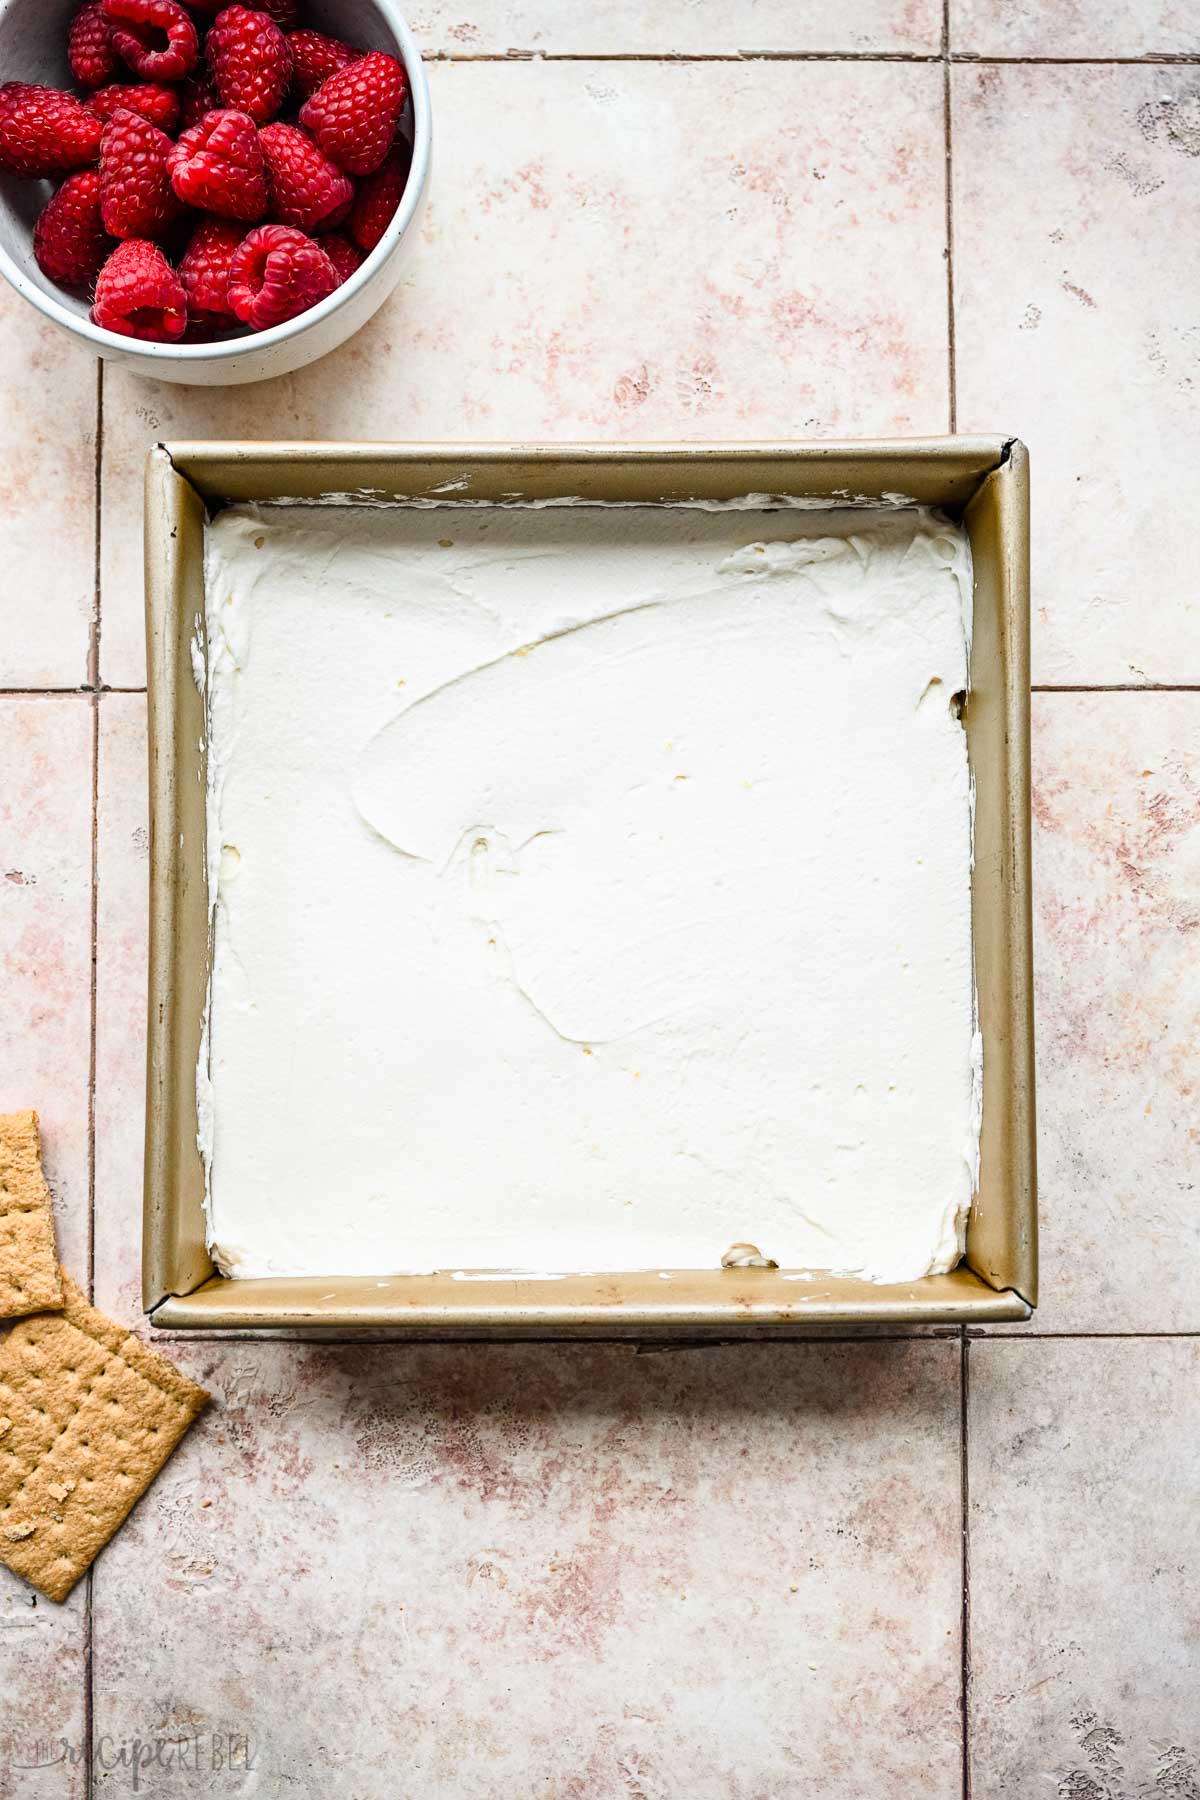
(88, 1417)
(29, 1278)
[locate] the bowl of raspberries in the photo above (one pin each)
(209, 193)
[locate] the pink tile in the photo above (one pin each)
(620, 250)
(121, 950)
(1076, 327)
(46, 941)
(1074, 27)
(43, 1747)
(47, 497)
(565, 1571)
(1085, 1564)
(673, 27)
(1116, 807)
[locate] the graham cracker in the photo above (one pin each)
(88, 1417)
(29, 1280)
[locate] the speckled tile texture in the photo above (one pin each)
(122, 871)
(1116, 822)
(45, 960)
(556, 1571)
(43, 1689)
(1076, 324)
(1085, 1563)
(46, 939)
(676, 27)
(1075, 28)
(47, 494)
(735, 1573)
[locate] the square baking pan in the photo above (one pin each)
(981, 481)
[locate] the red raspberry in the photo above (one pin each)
(139, 28)
(158, 104)
(69, 241)
(136, 200)
(315, 58)
(378, 197)
(307, 190)
(250, 61)
(345, 256)
(353, 115)
(277, 272)
(204, 272)
(45, 132)
(219, 167)
(197, 96)
(139, 295)
(89, 47)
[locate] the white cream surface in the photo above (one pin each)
(591, 890)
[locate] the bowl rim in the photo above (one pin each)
(229, 349)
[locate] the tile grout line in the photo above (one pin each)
(1165, 59)
(1115, 687)
(93, 692)
(964, 1616)
(87, 691)
(313, 1337)
(94, 701)
(951, 350)
(88, 1681)
(932, 1334)
(683, 57)
(88, 1691)
(92, 682)
(983, 1334)
(964, 1479)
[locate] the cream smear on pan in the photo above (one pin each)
(590, 890)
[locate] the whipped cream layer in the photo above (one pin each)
(591, 890)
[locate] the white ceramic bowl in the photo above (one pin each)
(33, 47)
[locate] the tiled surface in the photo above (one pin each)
(1077, 326)
(1064, 28)
(1085, 1566)
(585, 1574)
(598, 260)
(675, 27)
(46, 938)
(45, 960)
(122, 848)
(1116, 812)
(47, 493)
(43, 1673)
(555, 1571)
